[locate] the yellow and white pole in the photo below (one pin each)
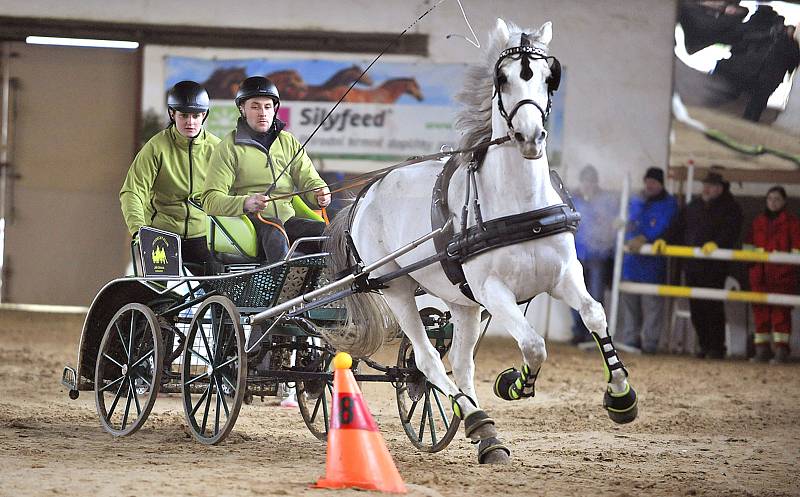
(710, 293)
(720, 254)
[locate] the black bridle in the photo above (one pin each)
(527, 53)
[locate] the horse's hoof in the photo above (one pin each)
(623, 407)
(479, 426)
(493, 451)
(504, 382)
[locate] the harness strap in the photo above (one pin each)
(561, 189)
(440, 214)
(513, 229)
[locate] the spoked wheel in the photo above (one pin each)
(314, 397)
(127, 378)
(214, 370)
(425, 412)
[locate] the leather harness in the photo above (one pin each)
(500, 232)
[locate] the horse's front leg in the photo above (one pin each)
(466, 324)
(514, 384)
(478, 426)
(620, 399)
(400, 298)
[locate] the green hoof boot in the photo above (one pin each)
(504, 384)
(622, 407)
(512, 384)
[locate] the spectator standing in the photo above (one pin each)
(775, 229)
(649, 216)
(712, 220)
(594, 241)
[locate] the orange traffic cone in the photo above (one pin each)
(357, 456)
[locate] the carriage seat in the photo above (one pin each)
(233, 240)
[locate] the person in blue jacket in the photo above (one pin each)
(649, 216)
(594, 241)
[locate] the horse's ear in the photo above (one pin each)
(501, 29)
(545, 33)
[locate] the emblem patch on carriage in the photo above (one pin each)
(160, 251)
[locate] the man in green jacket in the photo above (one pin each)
(168, 170)
(259, 160)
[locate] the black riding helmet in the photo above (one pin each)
(188, 97)
(257, 86)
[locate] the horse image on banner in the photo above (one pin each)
(506, 99)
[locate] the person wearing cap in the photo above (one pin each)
(257, 161)
(649, 216)
(775, 229)
(594, 241)
(711, 220)
(168, 170)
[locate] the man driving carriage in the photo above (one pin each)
(168, 170)
(259, 161)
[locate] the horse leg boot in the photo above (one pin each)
(620, 398)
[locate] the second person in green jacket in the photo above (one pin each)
(171, 168)
(259, 160)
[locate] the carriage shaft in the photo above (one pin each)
(347, 280)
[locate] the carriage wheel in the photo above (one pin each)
(214, 370)
(127, 375)
(314, 399)
(426, 413)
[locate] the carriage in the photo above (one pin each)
(243, 326)
(166, 331)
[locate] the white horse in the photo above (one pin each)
(513, 179)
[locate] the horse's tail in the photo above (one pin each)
(369, 320)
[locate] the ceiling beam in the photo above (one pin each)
(18, 28)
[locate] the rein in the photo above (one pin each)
(385, 49)
(365, 178)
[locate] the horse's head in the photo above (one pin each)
(286, 77)
(525, 77)
(403, 86)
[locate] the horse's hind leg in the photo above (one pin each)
(620, 399)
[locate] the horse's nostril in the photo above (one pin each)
(542, 135)
(519, 137)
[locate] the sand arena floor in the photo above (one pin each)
(705, 428)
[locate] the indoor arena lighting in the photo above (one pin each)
(81, 42)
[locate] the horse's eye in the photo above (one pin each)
(501, 80)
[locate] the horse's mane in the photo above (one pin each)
(474, 120)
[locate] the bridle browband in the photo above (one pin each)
(527, 53)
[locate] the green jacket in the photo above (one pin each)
(241, 166)
(168, 170)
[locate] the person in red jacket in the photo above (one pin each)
(775, 229)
